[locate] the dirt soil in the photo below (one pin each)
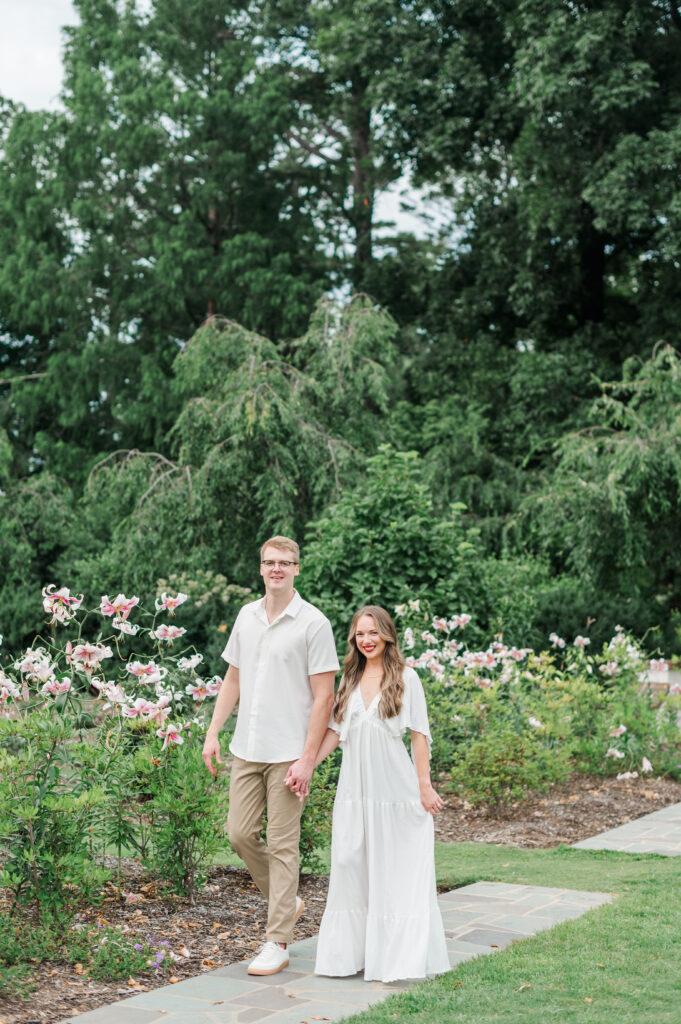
(227, 921)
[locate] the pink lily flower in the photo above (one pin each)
(55, 687)
(60, 604)
(168, 603)
(87, 657)
(459, 621)
(120, 607)
(160, 711)
(213, 685)
(169, 735)
(140, 707)
(198, 691)
(147, 673)
(646, 766)
(167, 633)
(187, 664)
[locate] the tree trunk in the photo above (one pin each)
(361, 215)
(591, 270)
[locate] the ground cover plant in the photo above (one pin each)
(618, 962)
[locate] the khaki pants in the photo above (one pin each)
(273, 867)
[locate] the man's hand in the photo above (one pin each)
(211, 749)
(298, 777)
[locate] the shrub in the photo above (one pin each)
(189, 811)
(505, 765)
(315, 825)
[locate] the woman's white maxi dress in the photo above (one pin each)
(381, 914)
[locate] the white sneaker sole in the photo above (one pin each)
(272, 970)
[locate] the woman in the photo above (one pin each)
(382, 914)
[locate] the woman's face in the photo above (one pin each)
(368, 641)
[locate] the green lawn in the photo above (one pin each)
(618, 964)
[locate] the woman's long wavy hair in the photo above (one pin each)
(392, 684)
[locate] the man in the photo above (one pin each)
(282, 663)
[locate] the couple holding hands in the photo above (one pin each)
(381, 914)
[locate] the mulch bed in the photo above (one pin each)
(227, 921)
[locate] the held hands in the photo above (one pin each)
(211, 749)
(430, 800)
(298, 777)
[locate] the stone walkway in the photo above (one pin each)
(659, 832)
(478, 918)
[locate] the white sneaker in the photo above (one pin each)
(300, 907)
(270, 959)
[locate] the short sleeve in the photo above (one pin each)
(414, 713)
(333, 724)
(321, 650)
(342, 727)
(231, 651)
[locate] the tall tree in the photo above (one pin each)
(168, 201)
(336, 56)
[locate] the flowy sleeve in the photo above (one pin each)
(414, 713)
(342, 727)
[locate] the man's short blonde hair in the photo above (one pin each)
(284, 544)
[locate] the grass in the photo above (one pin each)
(617, 963)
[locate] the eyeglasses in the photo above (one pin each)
(270, 564)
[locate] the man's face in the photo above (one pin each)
(278, 569)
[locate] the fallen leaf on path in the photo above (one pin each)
(79, 968)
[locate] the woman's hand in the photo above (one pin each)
(430, 800)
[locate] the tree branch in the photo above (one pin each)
(26, 376)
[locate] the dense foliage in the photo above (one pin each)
(207, 336)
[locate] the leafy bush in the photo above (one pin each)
(189, 812)
(315, 824)
(504, 765)
(382, 543)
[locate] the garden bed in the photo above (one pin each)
(227, 921)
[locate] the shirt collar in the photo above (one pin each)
(291, 609)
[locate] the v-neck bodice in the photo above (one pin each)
(366, 708)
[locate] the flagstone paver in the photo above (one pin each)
(479, 919)
(659, 832)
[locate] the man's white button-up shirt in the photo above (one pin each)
(275, 662)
